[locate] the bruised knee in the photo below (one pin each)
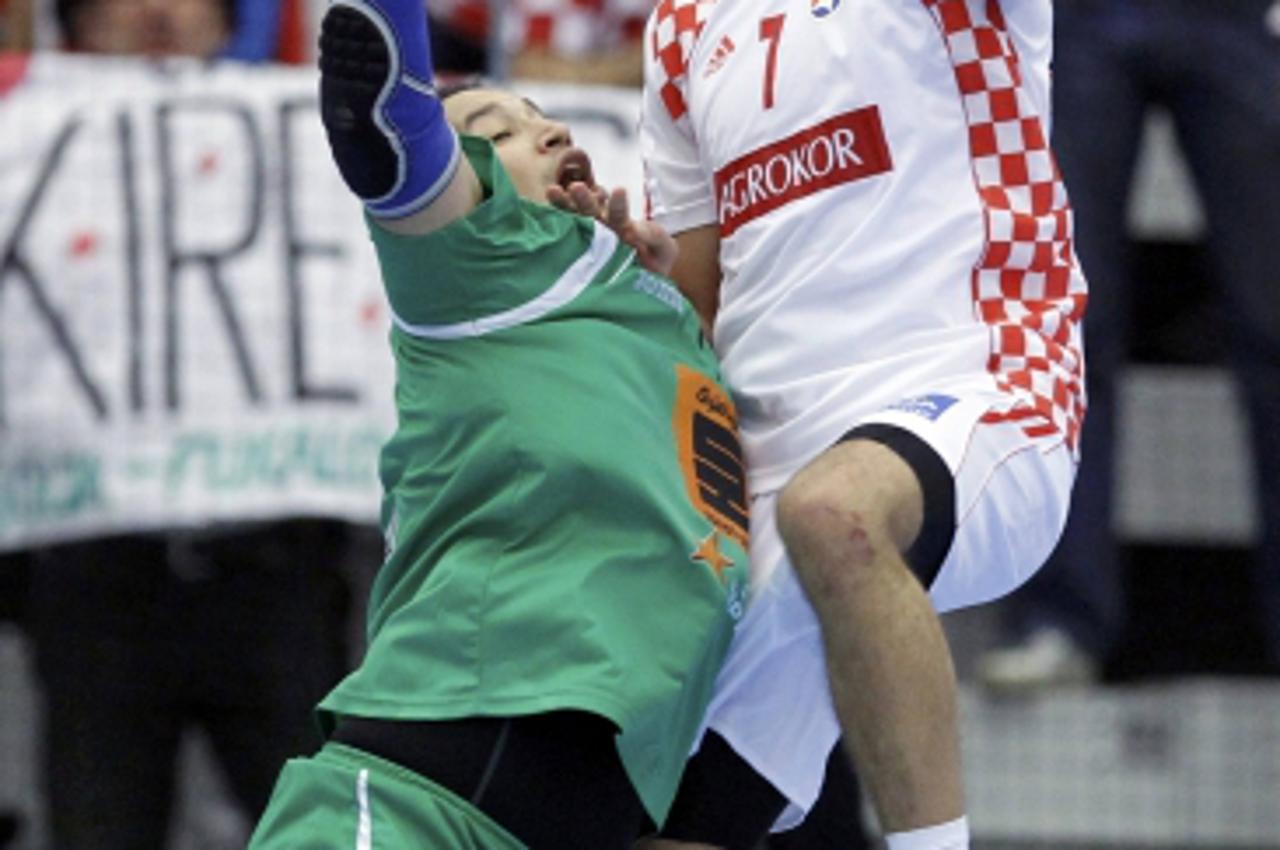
(854, 511)
(879, 483)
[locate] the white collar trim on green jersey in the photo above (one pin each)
(575, 279)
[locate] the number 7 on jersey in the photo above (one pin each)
(771, 32)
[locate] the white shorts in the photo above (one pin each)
(772, 702)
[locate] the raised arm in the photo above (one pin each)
(384, 119)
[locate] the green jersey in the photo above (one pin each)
(565, 506)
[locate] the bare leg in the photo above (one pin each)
(846, 519)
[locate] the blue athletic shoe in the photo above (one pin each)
(385, 123)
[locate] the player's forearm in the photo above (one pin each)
(697, 270)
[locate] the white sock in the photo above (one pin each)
(953, 835)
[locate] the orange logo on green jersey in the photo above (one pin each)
(708, 552)
(706, 429)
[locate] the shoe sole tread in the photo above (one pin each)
(355, 68)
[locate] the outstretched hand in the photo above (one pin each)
(655, 248)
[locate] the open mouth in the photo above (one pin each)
(575, 167)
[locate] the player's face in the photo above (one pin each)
(152, 27)
(536, 151)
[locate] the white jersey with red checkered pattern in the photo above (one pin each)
(892, 220)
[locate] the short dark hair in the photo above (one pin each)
(468, 83)
(67, 10)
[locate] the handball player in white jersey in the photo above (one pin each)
(870, 217)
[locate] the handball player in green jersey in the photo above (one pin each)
(564, 508)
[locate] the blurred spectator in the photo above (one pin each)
(237, 631)
(270, 30)
(1215, 67)
(257, 31)
(246, 30)
(15, 576)
(147, 27)
(570, 41)
(234, 629)
(577, 41)
(459, 36)
(17, 25)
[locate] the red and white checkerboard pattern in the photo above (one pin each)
(676, 26)
(1027, 286)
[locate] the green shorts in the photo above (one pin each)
(345, 799)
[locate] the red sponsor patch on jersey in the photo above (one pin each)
(849, 147)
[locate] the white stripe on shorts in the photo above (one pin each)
(364, 826)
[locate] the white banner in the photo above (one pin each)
(192, 326)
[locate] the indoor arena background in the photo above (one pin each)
(192, 336)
